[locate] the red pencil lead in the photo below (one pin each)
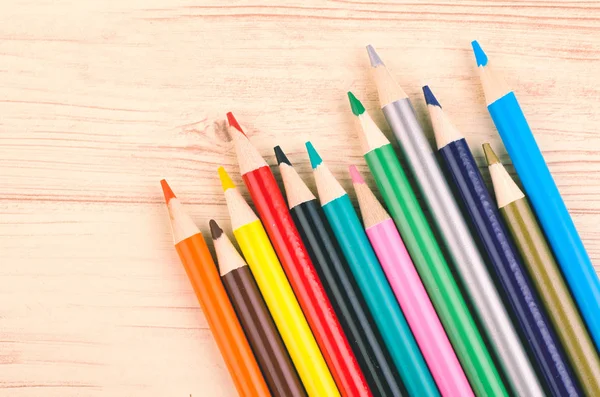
(233, 122)
(167, 191)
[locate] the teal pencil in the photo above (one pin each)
(372, 281)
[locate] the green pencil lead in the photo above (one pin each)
(357, 107)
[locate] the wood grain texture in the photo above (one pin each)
(99, 100)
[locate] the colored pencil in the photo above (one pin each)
(268, 348)
(503, 257)
(220, 316)
(339, 284)
(427, 257)
(296, 262)
(371, 280)
(537, 257)
(541, 189)
(278, 295)
(410, 293)
(453, 230)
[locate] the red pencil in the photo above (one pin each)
(298, 267)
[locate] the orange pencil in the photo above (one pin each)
(215, 304)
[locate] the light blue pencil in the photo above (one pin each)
(371, 281)
(543, 193)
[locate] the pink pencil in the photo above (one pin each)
(410, 292)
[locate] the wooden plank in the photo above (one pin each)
(99, 100)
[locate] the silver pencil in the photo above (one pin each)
(456, 236)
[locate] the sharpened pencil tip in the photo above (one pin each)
(490, 156)
(374, 57)
(355, 175)
(226, 181)
(215, 230)
(280, 156)
(315, 159)
(430, 99)
(233, 122)
(480, 56)
(167, 192)
(355, 104)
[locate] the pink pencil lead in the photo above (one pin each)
(355, 175)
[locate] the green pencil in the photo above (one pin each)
(427, 257)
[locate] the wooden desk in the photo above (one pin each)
(101, 99)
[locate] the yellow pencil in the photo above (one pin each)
(277, 292)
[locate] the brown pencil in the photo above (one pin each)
(269, 350)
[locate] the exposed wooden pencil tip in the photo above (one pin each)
(490, 156)
(215, 230)
(355, 175)
(226, 181)
(168, 193)
(233, 122)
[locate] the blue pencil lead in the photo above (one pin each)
(430, 99)
(480, 56)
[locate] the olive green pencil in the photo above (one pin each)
(543, 269)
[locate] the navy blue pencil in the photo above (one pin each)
(525, 304)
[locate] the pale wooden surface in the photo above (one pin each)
(101, 99)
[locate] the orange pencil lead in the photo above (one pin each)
(167, 191)
(233, 122)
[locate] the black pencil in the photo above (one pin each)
(339, 284)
